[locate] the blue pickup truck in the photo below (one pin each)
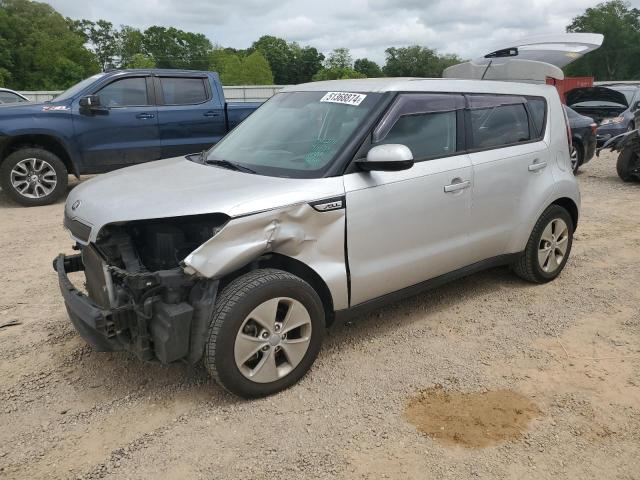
(108, 121)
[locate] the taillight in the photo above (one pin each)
(594, 128)
(566, 122)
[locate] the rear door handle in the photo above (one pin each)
(145, 116)
(211, 114)
(537, 165)
(457, 185)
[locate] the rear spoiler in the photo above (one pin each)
(505, 69)
(531, 59)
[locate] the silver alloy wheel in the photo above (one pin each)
(33, 178)
(273, 340)
(553, 245)
(574, 157)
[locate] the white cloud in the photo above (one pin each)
(466, 27)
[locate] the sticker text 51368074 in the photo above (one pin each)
(346, 98)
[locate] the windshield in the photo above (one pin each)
(628, 93)
(296, 134)
(78, 87)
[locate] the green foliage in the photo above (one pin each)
(129, 45)
(173, 48)
(101, 37)
(367, 67)
(290, 63)
(417, 61)
(619, 56)
(338, 66)
(140, 60)
(38, 50)
(236, 69)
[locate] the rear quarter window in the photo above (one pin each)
(538, 110)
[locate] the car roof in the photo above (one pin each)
(409, 84)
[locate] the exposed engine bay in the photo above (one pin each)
(133, 272)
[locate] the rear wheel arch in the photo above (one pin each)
(51, 143)
(571, 207)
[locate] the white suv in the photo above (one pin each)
(332, 198)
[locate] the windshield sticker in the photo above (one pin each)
(345, 98)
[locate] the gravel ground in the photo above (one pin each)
(571, 348)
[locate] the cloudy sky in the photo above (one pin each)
(466, 27)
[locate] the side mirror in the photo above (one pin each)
(387, 158)
(92, 104)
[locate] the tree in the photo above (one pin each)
(619, 56)
(416, 61)
(235, 69)
(279, 55)
(102, 39)
(307, 61)
(139, 60)
(174, 48)
(38, 48)
(367, 67)
(130, 47)
(338, 66)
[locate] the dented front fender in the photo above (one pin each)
(313, 237)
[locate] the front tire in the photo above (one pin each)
(265, 333)
(548, 247)
(628, 163)
(33, 177)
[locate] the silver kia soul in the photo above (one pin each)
(331, 199)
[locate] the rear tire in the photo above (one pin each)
(252, 349)
(548, 247)
(33, 177)
(628, 161)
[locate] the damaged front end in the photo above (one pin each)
(138, 296)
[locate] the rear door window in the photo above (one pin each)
(426, 123)
(183, 91)
(498, 121)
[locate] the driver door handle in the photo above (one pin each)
(457, 185)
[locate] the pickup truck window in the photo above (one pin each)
(126, 92)
(78, 87)
(296, 134)
(183, 91)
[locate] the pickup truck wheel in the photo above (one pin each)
(265, 333)
(33, 176)
(628, 163)
(548, 247)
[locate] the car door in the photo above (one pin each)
(191, 116)
(124, 131)
(511, 168)
(409, 226)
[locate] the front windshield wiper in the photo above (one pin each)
(229, 165)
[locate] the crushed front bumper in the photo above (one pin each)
(154, 325)
(94, 323)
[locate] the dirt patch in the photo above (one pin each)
(473, 420)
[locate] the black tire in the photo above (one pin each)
(579, 149)
(62, 176)
(628, 161)
(527, 266)
(234, 304)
